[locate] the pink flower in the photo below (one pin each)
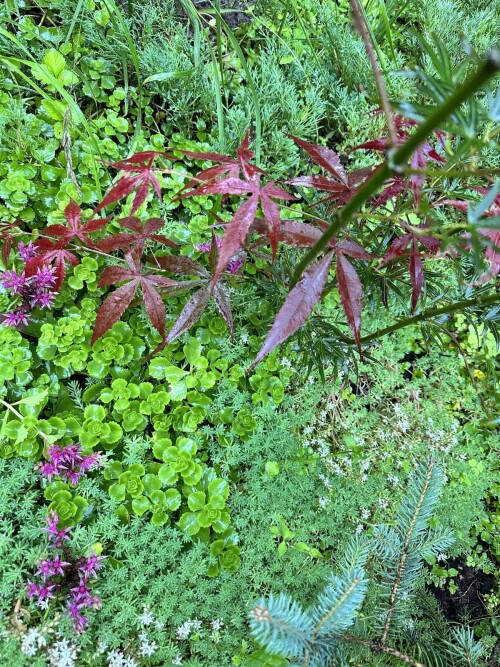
(15, 318)
(90, 565)
(55, 534)
(13, 281)
(45, 277)
(79, 620)
(81, 594)
(42, 299)
(27, 251)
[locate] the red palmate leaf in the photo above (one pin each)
(137, 240)
(236, 233)
(396, 249)
(113, 308)
(73, 215)
(142, 164)
(190, 314)
(325, 157)
(297, 307)
(416, 274)
(354, 250)
(272, 218)
(110, 312)
(351, 292)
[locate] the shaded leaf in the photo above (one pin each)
(351, 292)
(236, 233)
(416, 274)
(181, 264)
(190, 314)
(297, 307)
(113, 308)
(325, 157)
(396, 249)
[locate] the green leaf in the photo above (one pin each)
(196, 501)
(141, 505)
(172, 499)
(222, 523)
(34, 399)
(218, 487)
(189, 523)
(167, 475)
(272, 468)
(117, 492)
(165, 76)
(282, 548)
(151, 483)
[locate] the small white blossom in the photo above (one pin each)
(159, 625)
(215, 637)
(441, 557)
(115, 659)
(177, 660)
(196, 625)
(359, 528)
(146, 618)
(43, 604)
(62, 654)
(184, 630)
(286, 363)
(32, 641)
(323, 503)
(216, 624)
(147, 648)
(129, 662)
(383, 503)
(308, 430)
(365, 514)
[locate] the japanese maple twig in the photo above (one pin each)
(379, 79)
(431, 312)
(397, 157)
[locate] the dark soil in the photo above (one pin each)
(467, 604)
(233, 19)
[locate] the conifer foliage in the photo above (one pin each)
(381, 570)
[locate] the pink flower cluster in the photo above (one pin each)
(68, 463)
(234, 265)
(67, 578)
(34, 291)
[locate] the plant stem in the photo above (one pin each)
(379, 80)
(427, 314)
(20, 416)
(396, 158)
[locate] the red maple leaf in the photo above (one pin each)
(118, 301)
(142, 233)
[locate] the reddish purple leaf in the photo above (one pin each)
(325, 157)
(456, 203)
(114, 274)
(351, 292)
(394, 188)
(73, 215)
(154, 305)
(224, 186)
(297, 307)
(354, 250)
(318, 183)
(113, 308)
(417, 181)
(272, 218)
(122, 189)
(236, 233)
(492, 253)
(416, 274)
(375, 145)
(190, 314)
(299, 234)
(181, 264)
(430, 243)
(396, 249)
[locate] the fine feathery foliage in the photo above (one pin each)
(388, 563)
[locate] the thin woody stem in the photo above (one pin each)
(379, 79)
(397, 158)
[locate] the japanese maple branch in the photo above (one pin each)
(379, 79)
(396, 158)
(427, 314)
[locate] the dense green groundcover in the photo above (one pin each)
(216, 488)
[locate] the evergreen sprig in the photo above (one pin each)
(330, 632)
